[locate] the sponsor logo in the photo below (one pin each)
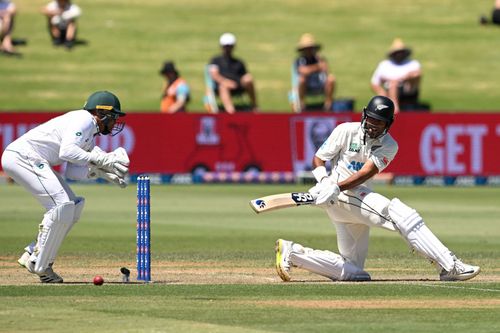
(355, 166)
(302, 197)
(385, 160)
(41, 166)
(260, 203)
(354, 147)
(78, 133)
(381, 107)
(104, 107)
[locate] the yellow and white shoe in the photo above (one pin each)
(283, 265)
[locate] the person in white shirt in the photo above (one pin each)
(357, 152)
(398, 77)
(62, 15)
(69, 138)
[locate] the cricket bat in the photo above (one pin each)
(283, 200)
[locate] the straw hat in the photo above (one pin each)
(398, 46)
(307, 41)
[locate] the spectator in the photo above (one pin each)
(398, 77)
(495, 15)
(7, 14)
(230, 75)
(312, 69)
(62, 15)
(175, 90)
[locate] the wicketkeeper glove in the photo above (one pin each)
(116, 162)
(95, 172)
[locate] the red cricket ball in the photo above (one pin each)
(98, 280)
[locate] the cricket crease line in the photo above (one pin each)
(459, 287)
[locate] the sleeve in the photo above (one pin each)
(214, 61)
(51, 6)
(382, 156)
(300, 61)
(416, 66)
(76, 172)
(242, 70)
(77, 134)
(72, 13)
(377, 75)
(333, 145)
(182, 91)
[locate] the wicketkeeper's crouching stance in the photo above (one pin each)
(357, 152)
(66, 138)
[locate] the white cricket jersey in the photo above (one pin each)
(66, 138)
(348, 152)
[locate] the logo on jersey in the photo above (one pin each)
(78, 133)
(385, 160)
(354, 147)
(380, 107)
(355, 166)
(41, 166)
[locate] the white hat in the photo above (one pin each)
(227, 39)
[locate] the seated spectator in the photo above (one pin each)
(7, 14)
(230, 75)
(175, 90)
(313, 74)
(495, 15)
(61, 16)
(398, 77)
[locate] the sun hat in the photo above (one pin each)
(307, 41)
(227, 39)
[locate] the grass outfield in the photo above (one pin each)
(128, 41)
(213, 266)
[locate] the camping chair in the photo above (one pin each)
(314, 98)
(211, 99)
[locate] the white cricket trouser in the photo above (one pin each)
(36, 176)
(356, 211)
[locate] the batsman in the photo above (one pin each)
(70, 139)
(357, 152)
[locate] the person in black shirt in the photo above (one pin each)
(230, 75)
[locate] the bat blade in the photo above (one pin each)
(282, 200)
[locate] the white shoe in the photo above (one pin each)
(283, 266)
(459, 272)
(48, 276)
(358, 277)
(24, 259)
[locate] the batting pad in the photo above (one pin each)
(418, 235)
(326, 263)
(55, 225)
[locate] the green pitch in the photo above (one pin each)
(128, 40)
(213, 266)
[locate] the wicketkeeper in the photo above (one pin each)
(67, 138)
(358, 151)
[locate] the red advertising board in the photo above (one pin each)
(429, 144)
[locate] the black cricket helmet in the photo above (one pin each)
(381, 108)
(107, 106)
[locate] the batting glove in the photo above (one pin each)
(328, 192)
